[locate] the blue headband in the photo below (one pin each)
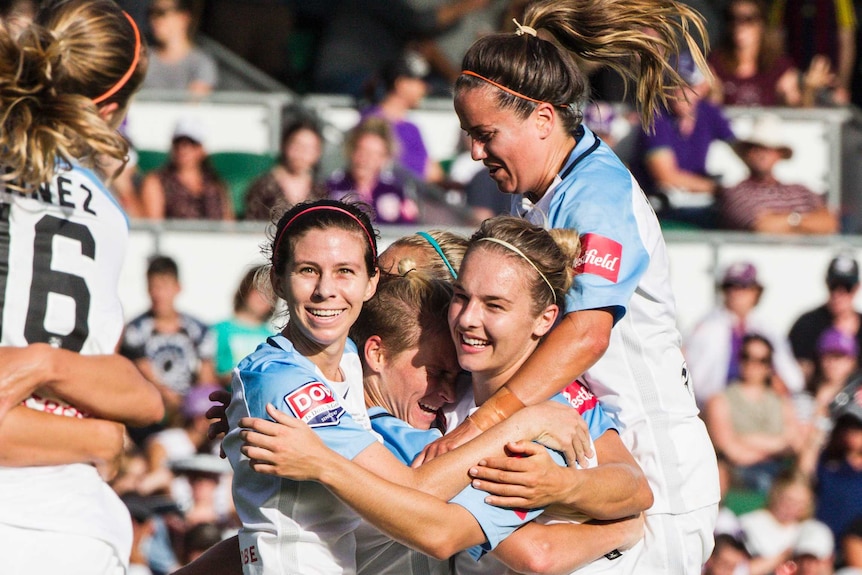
(439, 251)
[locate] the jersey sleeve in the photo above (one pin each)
(300, 393)
(579, 397)
(497, 523)
(404, 441)
(613, 258)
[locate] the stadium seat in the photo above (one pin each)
(238, 170)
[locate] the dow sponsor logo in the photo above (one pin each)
(600, 256)
(314, 404)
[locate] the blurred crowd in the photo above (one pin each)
(389, 56)
(784, 410)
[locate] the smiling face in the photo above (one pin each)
(491, 317)
(511, 148)
(325, 283)
(417, 382)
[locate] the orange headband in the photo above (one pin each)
(509, 90)
(122, 81)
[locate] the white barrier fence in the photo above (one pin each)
(212, 261)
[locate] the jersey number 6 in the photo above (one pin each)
(46, 280)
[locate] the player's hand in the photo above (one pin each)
(528, 478)
(21, 373)
(113, 437)
(219, 427)
(286, 447)
(457, 437)
(562, 429)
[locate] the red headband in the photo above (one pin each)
(122, 81)
(331, 208)
(509, 90)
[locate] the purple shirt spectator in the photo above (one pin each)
(412, 153)
(389, 198)
(711, 125)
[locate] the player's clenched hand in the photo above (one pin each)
(286, 447)
(22, 371)
(457, 437)
(529, 478)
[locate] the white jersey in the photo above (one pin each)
(296, 527)
(61, 252)
(641, 380)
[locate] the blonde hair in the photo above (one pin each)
(451, 244)
(75, 51)
(640, 39)
(552, 254)
(402, 309)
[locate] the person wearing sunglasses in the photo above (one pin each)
(750, 423)
(842, 281)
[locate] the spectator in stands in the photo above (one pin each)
(175, 62)
(294, 178)
(729, 557)
(172, 349)
(814, 552)
(188, 187)
(851, 546)
(671, 161)
(445, 49)
(404, 86)
(824, 28)
(762, 203)
(368, 175)
(239, 336)
(839, 470)
(599, 117)
(752, 69)
(484, 199)
(362, 36)
(752, 424)
(16, 15)
(835, 365)
(772, 532)
(842, 279)
(712, 347)
(143, 529)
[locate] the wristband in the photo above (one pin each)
(497, 408)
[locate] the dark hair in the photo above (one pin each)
(163, 265)
(723, 540)
(75, 52)
(598, 31)
(750, 337)
(321, 214)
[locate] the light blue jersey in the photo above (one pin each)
(296, 527)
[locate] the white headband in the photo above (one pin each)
(509, 246)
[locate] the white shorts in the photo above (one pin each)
(33, 552)
(678, 544)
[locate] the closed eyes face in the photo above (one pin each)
(417, 382)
